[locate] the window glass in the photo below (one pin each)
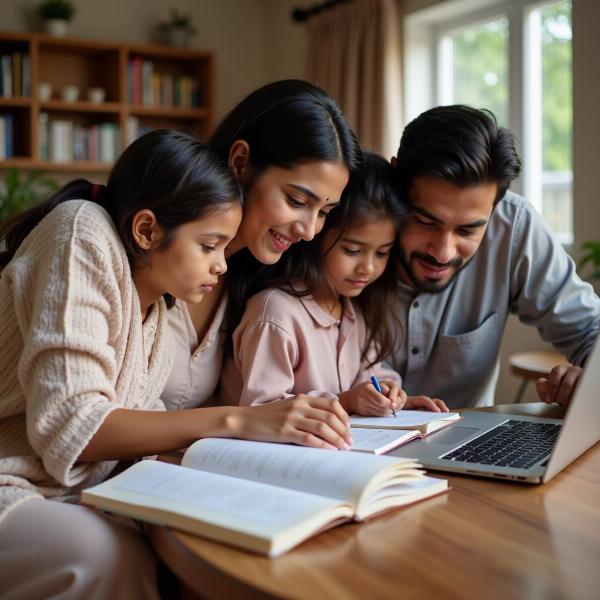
(557, 117)
(480, 67)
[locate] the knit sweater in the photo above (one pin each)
(73, 348)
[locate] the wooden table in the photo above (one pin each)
(484, 539)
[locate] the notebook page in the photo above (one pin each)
(379, 441)
(405, 419)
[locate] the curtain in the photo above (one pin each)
(354, 53)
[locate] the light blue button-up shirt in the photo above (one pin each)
(450, 341)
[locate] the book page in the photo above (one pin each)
(378, 441)
(332, 473)
(238, 504)
(405, 419)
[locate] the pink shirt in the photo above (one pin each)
(286, 345)
(196, 367)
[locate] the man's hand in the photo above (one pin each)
(559, 385)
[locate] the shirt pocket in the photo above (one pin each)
(472, 352)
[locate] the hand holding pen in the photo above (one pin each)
(377, 386)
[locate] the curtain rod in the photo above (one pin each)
(302, 14)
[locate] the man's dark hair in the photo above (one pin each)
(460, 144)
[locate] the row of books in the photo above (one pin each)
(64, 141)
(6, 136)
(15, 75)
(146, 87)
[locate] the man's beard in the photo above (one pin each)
(430, 286)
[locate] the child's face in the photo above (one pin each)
(284, 206)
(359, 257)
(190, 266)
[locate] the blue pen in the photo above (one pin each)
(376, 385)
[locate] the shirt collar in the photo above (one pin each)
(323, 318)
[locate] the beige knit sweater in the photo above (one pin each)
(72, 349)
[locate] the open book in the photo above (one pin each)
(422, 422)
(263, 497)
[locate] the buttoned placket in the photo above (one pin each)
(415, 345)
(346, 328)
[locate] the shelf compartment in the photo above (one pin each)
(84, 67)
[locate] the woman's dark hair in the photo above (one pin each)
(285, 123)
(171, 173)
(371, 195)
(460, 144)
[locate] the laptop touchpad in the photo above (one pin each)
(452, 435)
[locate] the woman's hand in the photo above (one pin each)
(427, 403)
(303, 420)
(363, 399)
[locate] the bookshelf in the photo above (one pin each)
(145, 87)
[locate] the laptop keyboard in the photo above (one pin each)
(519, 444)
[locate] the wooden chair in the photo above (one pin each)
(533, 365)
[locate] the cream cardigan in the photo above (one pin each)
(72, 349)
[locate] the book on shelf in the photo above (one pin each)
(262, 497)
(422, 422)
(153, 89)
(6, 136)
(6, 76)
(15, 75)
(63, 141)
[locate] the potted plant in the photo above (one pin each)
(56, 15)
(591, 254)
(177, 29)
(18, 193)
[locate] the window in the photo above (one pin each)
(513, 58)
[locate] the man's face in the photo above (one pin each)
(444, 229)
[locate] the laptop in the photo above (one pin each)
(516, 447)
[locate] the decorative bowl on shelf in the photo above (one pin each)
(70, 93)
(96, 95)
(44, 91)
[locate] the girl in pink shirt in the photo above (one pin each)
(324, 324)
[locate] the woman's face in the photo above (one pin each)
(284, 206)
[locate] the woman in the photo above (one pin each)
(292, 151)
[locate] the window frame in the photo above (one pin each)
(436, 25)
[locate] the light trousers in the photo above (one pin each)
(51, 549)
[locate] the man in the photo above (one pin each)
(472, 252)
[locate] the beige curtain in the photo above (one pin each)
(354, 53)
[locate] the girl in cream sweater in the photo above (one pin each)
(85, 351)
